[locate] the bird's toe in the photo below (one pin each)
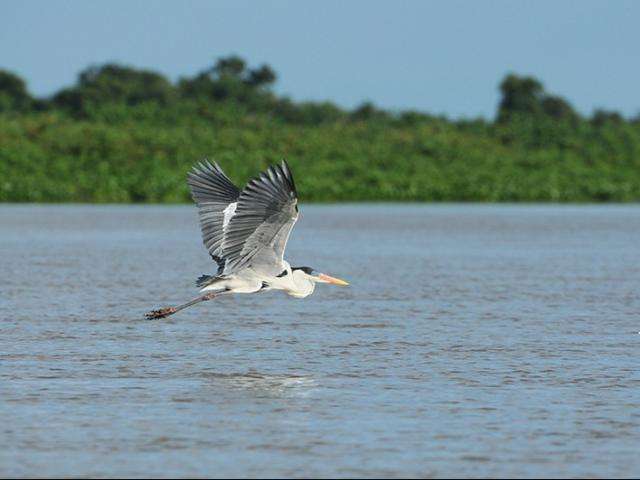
(160, 313)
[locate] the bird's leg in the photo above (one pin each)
(166, 311)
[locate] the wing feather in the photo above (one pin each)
(258, 232)
(213, 192)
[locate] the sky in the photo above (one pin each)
(443, 57)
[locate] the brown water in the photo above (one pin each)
(474, 341)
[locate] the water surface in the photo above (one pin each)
(473, 341)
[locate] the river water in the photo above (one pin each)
(473, 341)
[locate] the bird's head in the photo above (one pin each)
(317, 277)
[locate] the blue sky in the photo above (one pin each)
(441, 57)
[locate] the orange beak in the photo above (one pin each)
(335, 281)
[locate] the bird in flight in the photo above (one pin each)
(246, 233)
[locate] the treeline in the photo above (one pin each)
(122, 134)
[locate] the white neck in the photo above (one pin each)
(303, 286)
(296, 283)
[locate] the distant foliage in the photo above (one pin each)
(525, 96)
(13, 93)
(602, 117)
(114, 84)
(230, 79)
(122, 134)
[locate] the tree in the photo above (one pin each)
(558, 108)
(368, 111)
(230, 79)
(603, 117)
(13, 93)
(520, 95)
(231, 66)
(261, 77)
(112, 83)
(525, 97)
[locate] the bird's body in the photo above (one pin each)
(246, 232)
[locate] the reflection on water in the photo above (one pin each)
(263, 384)
(473, 341)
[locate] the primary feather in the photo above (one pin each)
(215, 196)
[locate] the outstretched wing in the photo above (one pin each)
(216, 197)
(258, 232)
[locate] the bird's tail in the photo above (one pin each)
(204, 280)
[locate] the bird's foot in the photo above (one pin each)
(160, 313)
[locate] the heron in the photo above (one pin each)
(246, 233)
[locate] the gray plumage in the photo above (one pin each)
(213, 192)
(257, 228)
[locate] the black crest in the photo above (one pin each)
(307, 270)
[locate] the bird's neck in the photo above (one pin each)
(301, 285)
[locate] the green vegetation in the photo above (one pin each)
(127, 135)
